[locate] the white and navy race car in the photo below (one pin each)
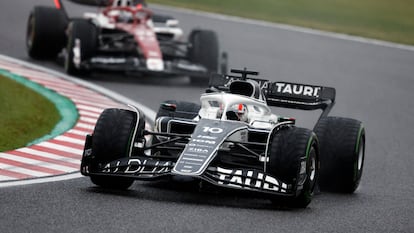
(124, 36)
(232, 140)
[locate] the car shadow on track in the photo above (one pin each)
(190, 192)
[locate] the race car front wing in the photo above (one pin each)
(147, 168)
(144, 168)
(154, 67)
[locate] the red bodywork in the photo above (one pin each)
(138, 27)
(58, 4)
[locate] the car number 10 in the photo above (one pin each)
(212, 130)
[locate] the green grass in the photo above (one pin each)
(379, 19)
(25, 115)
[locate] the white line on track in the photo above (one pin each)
(75, 93)
(22, 170)
(287, 27)
(37, 163)
(41, 180)
(4, 178)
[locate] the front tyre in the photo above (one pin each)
(113, 138)
(82, 45)
(45, 33)
(293, 158)
(342, 147)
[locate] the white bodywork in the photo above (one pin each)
(257, 113)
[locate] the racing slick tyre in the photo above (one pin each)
(204, 50)
(113, 138)
(82, 44)
(293, 159)
(342, 152)
(44, 40)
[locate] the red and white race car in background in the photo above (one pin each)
(123, 36)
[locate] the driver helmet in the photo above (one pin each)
(237, 112)
(124, 16)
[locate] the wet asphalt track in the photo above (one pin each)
(374, 84)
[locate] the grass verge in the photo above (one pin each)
(25, 116)
(379, 19)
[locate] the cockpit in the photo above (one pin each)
(244, 102)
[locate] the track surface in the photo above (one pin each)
(374, 84)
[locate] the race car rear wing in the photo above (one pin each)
(282, 94)
(300, 96)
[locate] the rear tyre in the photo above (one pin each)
(342, 147)
(290, 147)
(82, 44)
(44, 40)
(204, 50)
(114, 135)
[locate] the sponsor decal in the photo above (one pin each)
(155, 64)
(202, 141)
(203, 145)
(87, 152)
(206, 137)
(138, 166)
(148, 36)
(108, 60)
(249, 179)
(198, 150)
(297, 89)
(213, 130)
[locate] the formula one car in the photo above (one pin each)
(232, 140)
(124, 36)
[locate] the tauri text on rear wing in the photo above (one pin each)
(299, 96)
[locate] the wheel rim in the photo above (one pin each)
(312, 168)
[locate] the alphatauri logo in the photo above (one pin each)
(297, 89)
